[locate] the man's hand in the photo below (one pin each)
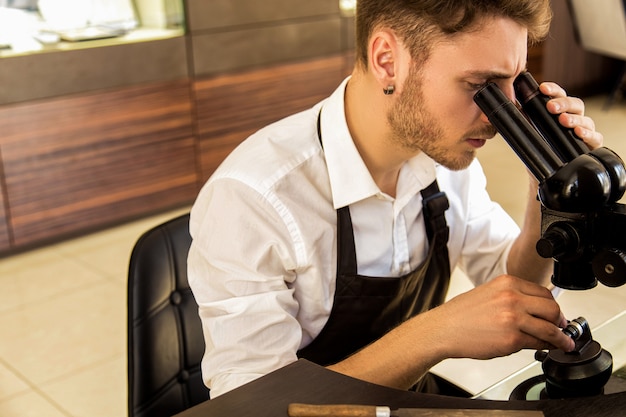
(571, 111)
(501, 317)
(495, 319)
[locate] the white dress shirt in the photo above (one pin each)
(262, 264)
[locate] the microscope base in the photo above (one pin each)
(534, 389)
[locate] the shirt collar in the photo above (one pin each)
(350, 179)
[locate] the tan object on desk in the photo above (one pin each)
(349, 410)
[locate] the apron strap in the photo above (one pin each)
(434, 203)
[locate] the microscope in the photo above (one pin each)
(583, 227)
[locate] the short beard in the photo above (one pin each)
(415, 129)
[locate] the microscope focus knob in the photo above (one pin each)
(609, 267)
(559, 240)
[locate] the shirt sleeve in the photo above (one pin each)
(240, 269)
(489, 232)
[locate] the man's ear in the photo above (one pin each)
(384, 58)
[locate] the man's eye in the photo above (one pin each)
(475, 86)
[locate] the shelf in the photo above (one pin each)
(30, 46)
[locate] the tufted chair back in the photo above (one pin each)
(165, 342)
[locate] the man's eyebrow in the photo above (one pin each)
(488, 75)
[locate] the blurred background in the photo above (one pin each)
(114, 113)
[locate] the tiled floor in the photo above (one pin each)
(63, 326)
(63, 307)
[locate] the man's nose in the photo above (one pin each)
(509, 90)
(484, 118)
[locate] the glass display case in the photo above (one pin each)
(31, 26)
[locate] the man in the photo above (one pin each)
(328, 235)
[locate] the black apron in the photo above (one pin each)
(365, 308)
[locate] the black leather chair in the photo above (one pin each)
(165, 342)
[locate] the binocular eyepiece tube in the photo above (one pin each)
(563, 141)
(572, 179)
(521, 136)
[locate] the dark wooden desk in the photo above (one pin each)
(306, 382)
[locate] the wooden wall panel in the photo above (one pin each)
(225, 36)
(75, 163)
(580, 72)
(230, 107)
(5, 241)
(213, 152)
